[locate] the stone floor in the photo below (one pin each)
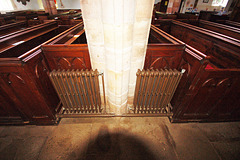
(121, 138)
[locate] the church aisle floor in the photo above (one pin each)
(126, 138)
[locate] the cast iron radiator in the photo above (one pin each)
(78, 91)
(154, 90)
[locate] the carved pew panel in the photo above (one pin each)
(25, 91)
(216, 27)
(192, 63)
(8, 111)
(205, 92)
(163, 56)
(205, 41)
(12, 27)
(214, 97)
(220, 28)
(67, 57)
(27, 88)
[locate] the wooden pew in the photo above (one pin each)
(70, 50)
(6, 19)
(160, 15)
(12, 27)
(23, 40)
(63, 18)
(27, 95)
(223, 49)
(220, 28)
(12, 17)
(229, 23)
(205, 92)
(206, 15)
(66, 19)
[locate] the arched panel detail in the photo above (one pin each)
(209, 82)
(78, 63)
(63, 63)
(12, 78)
(224, 82)
(36, 70)
(160, 63)
(39, 69)
(187, 67)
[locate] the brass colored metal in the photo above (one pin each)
(154, 90)
(137, 88)
(104, 97)
(78, 91)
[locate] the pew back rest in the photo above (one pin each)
(224, 50)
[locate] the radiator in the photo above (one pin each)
(78, 91)
(154, 90)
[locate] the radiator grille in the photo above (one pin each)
(78, 90)
(154, 90)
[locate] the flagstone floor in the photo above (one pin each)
(122, 138)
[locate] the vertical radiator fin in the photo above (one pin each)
(78, 91)
(154, 90)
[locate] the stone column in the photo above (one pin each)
(117, 34)
(142, 23)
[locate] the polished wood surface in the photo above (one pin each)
(229, 23)
(223, 49)
(12, 27)
(216, 27)
(206, 92)
(75, 56)
(28, 94)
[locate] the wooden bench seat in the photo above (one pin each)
(223, 49)
(27, 95)
(12, 27)
(216, 27)
(229, 23)
(69, 50)
(11, 44)
(206, 92)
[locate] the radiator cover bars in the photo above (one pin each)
(78, 91)
(154, 90)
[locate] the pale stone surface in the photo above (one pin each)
(24, 131)
(68, 141)
(124, 138)
(228, 150)
(186, 136)
(119, 31)
(1, 129)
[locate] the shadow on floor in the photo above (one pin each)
(117, 146)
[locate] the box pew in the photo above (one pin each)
(10, 17)
(69, 51)
(12, 27)
(63, 18)
(6, 19)
(66, 19)
(187, 15)
(68, 10)
(75, 21)
(160, 15)
(165, 51)
(223, 49)
(59, 14)
(216, 27)
(229, 23)
(205, 92)
(27, 95)
(212, 16)
(26, 39)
